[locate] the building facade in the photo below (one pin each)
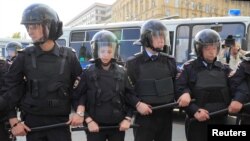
(96, 13)
(129, 10)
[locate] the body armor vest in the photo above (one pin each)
(105, 93)
(48, 78)
(155, 83)
(211, 91)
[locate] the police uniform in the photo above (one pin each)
(153, 80)
(4, 136)
(49, 82)
(106, 94)
(209, 85)
(240, 85)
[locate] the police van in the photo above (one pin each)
(181, 31)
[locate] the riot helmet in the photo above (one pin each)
(41, 14)
(151, 29)
(204, 38)
(12, 48)
(104, 39)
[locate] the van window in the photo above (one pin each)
(129, 34)
(77, 36)
(117, 33)
(181, 45)
(90, 34)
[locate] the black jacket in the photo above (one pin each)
(186, 81)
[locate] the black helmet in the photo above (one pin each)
(153, 28)
(47, 17)
(206, 37)
(13, 46)
(104, 38)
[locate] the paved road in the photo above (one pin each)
(178, 131)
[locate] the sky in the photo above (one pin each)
(11, 12)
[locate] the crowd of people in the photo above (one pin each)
(46, 84)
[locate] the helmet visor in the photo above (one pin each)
(217, 44)
(106, 49)
(160, 39)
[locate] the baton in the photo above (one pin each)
(103, 127)
(169, 105)
(222, 111)
(40, 128)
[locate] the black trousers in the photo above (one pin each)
(4, 135)
(54, 134)
(154, 127)
(197, 131)
(244, 119)
(106, 135)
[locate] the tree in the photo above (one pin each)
(16, 35)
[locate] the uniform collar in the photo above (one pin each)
(54, 51)
(203, 63)
(147, 55)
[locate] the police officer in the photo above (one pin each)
(50, 72)
(152, 73)
(106, 90)
(4, 136)
(205, 80)
(12, 48)
(240, 82)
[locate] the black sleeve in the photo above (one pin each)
(76, 67)
(76, 71)
(79, 96)
(239, 85)
(131, 72)
(14, 82)
(182, 82)
(183, 85)
(130, 94)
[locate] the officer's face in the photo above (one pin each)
(105, 54)
(11, 53)
(210, 52)
(35, 31)
(158, 41)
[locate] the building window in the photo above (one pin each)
(166, 1)
(167, 13)
(152, 3)
(176, 3)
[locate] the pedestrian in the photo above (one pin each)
(207, 81)
(12, 49)
(231, 53)
(152, 74)
(240, 82)
(49, 72)
(105, 90)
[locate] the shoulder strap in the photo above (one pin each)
(118, 76)
(30, 51)
(64, 55)
(93, 72)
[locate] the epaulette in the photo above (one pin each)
(29, 49)
(188, 62)
(219, 64)
(21, 50)
(135, 56)
(166, 55)
(69, 48)
(73, 50)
